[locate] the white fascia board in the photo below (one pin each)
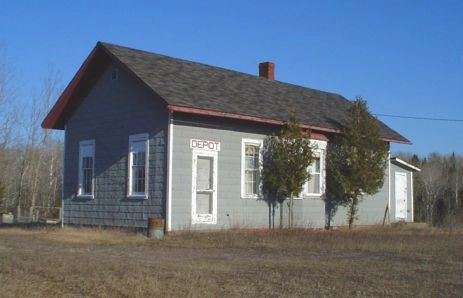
(403, 164)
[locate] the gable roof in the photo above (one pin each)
(197, 88)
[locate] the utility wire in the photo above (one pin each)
(420, 118)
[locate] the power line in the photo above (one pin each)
(420, 118)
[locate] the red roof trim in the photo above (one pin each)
(315, 136)
(51, 121)
(204, 112)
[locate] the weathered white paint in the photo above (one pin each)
(206, 145)
(401, 195)
(318, 144)
(170, 136)
(412, 198)
(320, 153)
(405, 165)
(252, 142)
(209, 218)
(133, 139)
(319, 149)
(389, 187)
(86, 149)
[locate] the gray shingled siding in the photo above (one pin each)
(311, 211)
(113, 110)
(234, 211)
(372, 208)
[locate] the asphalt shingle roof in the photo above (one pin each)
(195, 85)
(187, 84)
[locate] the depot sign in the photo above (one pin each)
(205, 145)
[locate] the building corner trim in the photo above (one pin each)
(390, 188)
(170, 132)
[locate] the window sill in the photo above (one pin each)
(312, 196)
(137, 197)
(204, 219)
(84, 197)
(257, 197)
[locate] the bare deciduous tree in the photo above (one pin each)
(40, 157)
(30, 157)
(432, 183)
(438, 188)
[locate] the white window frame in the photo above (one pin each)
(83, 146)
(132, 140)
(252, 142)
(204, 218)
(319, 150)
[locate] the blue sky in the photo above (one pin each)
(403, 57)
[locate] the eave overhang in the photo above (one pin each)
(397, 161)
(262, 120)
(55, 119)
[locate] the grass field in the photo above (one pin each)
(395, 262)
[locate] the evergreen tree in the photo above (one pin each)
(356, 160)
(286, 159)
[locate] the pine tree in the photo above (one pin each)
(286, 159)
(356, 160)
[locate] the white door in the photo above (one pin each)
(401, 195)
(204, 192)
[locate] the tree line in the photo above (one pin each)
(30, 157)
(438, 188)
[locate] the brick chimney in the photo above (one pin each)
(267, 70)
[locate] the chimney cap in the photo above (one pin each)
(267, 70)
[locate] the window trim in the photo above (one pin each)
(135, 139)
(319, 148)
(320, 154)
(252, 142)
(80, 193)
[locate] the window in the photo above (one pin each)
(251, 157)
(86, 168)
(138, 165)
(315, 186)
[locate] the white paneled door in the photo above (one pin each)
(400, 195)
(204, 199)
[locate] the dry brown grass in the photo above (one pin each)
(399, 261)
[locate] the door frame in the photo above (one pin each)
(204, 218)
(397, 194)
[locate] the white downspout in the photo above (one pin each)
(170, 138)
